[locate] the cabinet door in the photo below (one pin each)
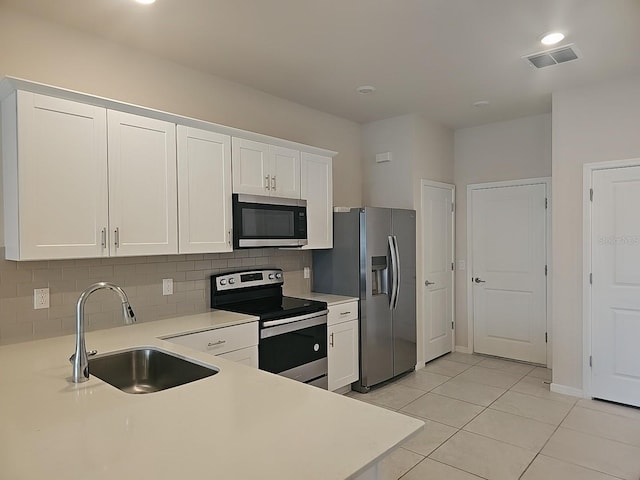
(246, 356)
(342, 354)
(204, 191)
(60, 170)
(317, 189)
(250, 161)
(142, 185)
(285, 172)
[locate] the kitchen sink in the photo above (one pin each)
(146, 370)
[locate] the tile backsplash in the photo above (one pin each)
(140, 277)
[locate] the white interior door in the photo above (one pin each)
(437, 281)
(615, 247)
(509, 272)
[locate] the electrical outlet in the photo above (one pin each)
(306, 271)
(167, 286)
(462, 265)
(41, 298)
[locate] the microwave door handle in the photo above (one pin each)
(394, 273)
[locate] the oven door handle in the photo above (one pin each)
(282, 321)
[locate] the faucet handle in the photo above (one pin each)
(89, 354)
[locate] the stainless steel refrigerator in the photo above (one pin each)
(374, 259)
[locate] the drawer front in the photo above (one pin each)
(342, 313)
(221, 340)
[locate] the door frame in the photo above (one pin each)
(509, 183)
(587, 175)
(419, 284)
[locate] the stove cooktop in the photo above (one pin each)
(272, 309)
(259, 293)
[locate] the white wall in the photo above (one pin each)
(421, 149)
(510, 150)
(388, 184)
(591, 124)
(49, 53)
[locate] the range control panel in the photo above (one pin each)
(247, 279)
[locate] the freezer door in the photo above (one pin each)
(376, 332)
(404, 315)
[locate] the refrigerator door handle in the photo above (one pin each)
(394, 273)
(398, 271)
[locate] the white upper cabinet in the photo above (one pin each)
(285, 172)
(204, 191)
(87, 177)
(55, 178)
(250, 165)
(317, 190)
(142, 185)
(263, 169)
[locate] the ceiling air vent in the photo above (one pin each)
(552, 57)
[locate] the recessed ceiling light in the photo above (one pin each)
(145, 2)
(481, 103)
(552, 38)
(365, 89)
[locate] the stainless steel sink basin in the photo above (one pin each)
(146, 370)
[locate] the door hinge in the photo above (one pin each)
(591, 279)
(451, 325)
(453, 207)
(591, 194)
(590, 361)
(546, 203)
(452, 266)
(546, 270)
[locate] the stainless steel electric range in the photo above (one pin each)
(293, 331)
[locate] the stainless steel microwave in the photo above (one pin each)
(268, 222)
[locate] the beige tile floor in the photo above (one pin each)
(496, 419)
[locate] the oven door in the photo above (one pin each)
(296, 349)
(268, 222)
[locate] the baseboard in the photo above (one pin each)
(565, 390)
(461, 349)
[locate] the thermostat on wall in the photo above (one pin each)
(383, 157)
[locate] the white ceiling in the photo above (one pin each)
(434, 57)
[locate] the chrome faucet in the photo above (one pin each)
(80, 358)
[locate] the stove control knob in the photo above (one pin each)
(223, 281)
(271, 276)
(232, 281)
(278, 276)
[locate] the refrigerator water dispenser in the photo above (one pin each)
(379, 276)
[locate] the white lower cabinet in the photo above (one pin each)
(238, 342)
(247, 356)
(342, 348)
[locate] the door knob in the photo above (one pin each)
(427, 283)
(477, 280)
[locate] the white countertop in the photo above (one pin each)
(241, 423)
(329, 298)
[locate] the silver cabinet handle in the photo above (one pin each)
(116, 237)
(214, 344)
(229, 237)
(273, 183)
(103, 235)
(478, 280)
(345, 313)
(267, 184)
(427, 283)
(331, 340)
